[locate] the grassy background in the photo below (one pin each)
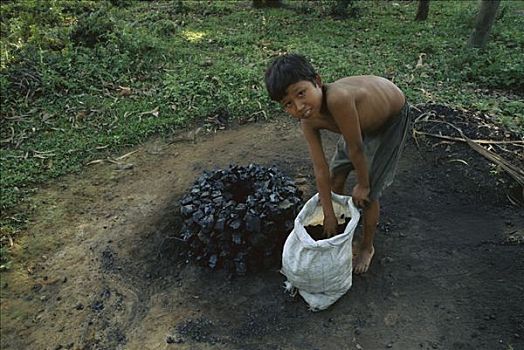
(77, 76)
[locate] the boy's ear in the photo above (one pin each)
(318, 80)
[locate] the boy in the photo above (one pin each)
(371, 115)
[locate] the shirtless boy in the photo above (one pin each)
(371, 115)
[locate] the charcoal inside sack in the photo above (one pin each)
(238, 218)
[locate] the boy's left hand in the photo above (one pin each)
(360, 196)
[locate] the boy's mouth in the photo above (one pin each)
(306, 114)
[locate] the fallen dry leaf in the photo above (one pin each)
(124, 91)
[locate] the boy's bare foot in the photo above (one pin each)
(363, 260)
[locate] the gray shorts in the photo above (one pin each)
(382, 151)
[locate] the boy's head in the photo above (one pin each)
(286, 70)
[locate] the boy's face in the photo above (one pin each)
(303, 99)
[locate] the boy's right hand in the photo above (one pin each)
(360, 196)
(330, 226)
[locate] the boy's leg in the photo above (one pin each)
(366, 250)
(338, 179)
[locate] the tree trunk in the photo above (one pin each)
(266, 3)
(423, 10)
(485, 19)
(340, 9)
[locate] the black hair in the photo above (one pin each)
(286, 70)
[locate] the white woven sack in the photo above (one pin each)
(321, 270)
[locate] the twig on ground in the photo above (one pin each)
(444, 137)
(43, 154)
(515, 153)
(516, 173)
(458, 161)
(126, 155)
(461, 139)
(10, 138)
(109, 159)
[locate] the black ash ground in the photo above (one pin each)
(436, 135)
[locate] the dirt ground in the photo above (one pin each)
(100, 266)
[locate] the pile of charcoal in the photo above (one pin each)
(238, 218)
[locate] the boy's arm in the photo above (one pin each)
(322, 176)
(347, 118)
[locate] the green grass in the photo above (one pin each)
(63, 64)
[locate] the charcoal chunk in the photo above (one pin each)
(186, 233)
(285, 204)
(188, 209)
(197, 215)
(204, 238)
(220, 225)
(273, 197)
(240, 208)
(213, 261)
(240, 264)
(235, 224)
(187, 199)
(258, 240)
(253, 223)
(236, 217)
(207, 223)
(237, 239)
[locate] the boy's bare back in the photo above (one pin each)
(376, 100)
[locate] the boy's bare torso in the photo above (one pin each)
(376, 100)
(354, 107)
